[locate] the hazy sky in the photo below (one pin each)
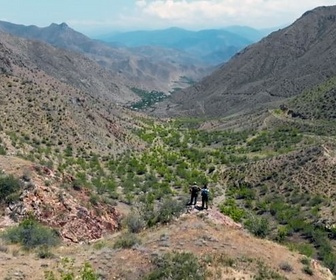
(90, 16)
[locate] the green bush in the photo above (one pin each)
(303, 248)
(308, 270)
(169, 209)
(2, 150)
(30, 234)
(163, 212)
(177, 266)
(134, 222)
(66, 271)
(259, 226)
(265, 272)
(230, 209)
(127, 241)
(9, 185)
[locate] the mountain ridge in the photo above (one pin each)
(279, 66)
(210, 45)
(135, 68)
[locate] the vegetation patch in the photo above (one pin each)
(9, 188)
(177, 266)
(30, 234)
(148, 98)
(127, 241)
(65, 270)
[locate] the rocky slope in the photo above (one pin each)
(66, 209)
(279, 66)
(150, 69)
(68, 67)
(57, 98)
(224, 250)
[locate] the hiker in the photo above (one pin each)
(205, 196)
(194, 190)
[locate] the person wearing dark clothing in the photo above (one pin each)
(194, 190)
(205, 196)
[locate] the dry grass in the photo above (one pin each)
(228, 253)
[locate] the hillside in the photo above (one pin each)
(273, 173)
(207, 246)
(281, 65)
(145, 68)
(47, 92)
(90, 188)
(317, 103)
(68, 67)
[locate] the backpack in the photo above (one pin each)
(205, 192)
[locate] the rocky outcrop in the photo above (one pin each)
(67, 210)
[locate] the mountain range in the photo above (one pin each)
(148, 59)
(280, 66)
(210, 46)
(111, 185)
(149, 69)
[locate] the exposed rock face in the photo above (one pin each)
(69, 211)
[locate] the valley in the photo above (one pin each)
(96, 165)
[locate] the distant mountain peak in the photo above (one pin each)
(63, 25)
(327, 10)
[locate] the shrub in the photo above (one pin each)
(258, 226)
(282, 233)
(66, 271)
(169, 209)
(177, 266)
(230, 209)
(303, 248)
(305, 261)
(2, 150)
(265, 272)
(30, 234)
(3, 248)
(308, 270)
(163, 212)
(134, 222)
(127, 241)
(44, 253)
(8, 186)
(285, 266)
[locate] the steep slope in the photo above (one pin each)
(52, 97)
(69, 67)
(279, 66)
(316, 104)
(133, 67)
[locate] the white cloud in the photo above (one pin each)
(259, 13)
(140, 3)
(201, 14)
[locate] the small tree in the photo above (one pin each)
(259, 226)
(9, 185)
(30, 234)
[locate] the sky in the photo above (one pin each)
(101, 16)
